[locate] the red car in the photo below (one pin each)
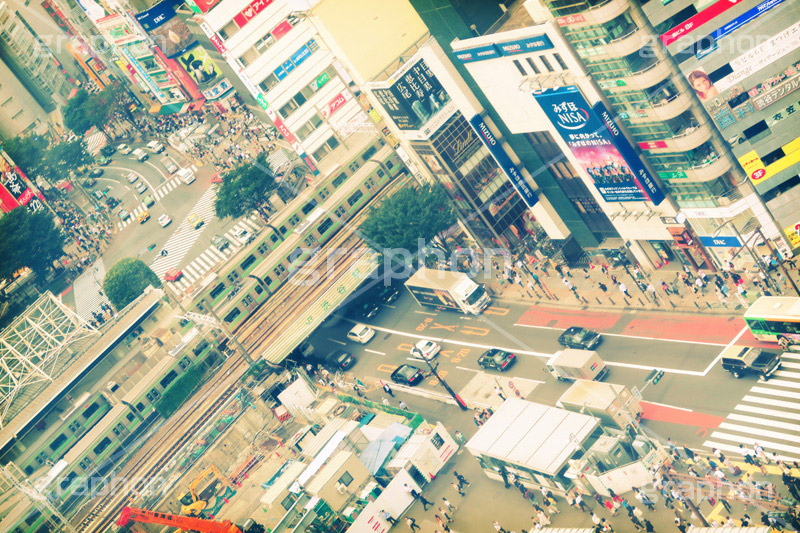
(173, 274)
(217, 178)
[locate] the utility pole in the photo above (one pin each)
(215, 322)
(433, 368)
(783, 267)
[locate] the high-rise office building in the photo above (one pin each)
(742, 60)
(34, 64)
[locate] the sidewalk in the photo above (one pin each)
(593, 289)
(485, 500)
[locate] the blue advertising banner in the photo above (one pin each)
(641, 175)
(500, 155)
(540, 42)
(477, 54)
(594, 145)
(721, 241)
(507, 48)
(157, 15)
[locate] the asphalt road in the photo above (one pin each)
(694, 384)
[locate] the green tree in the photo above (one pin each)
(84, 111)
(246, 188)
(412, 213)
(63, 157)
(29, 240)
(126, 280)
(27, 152)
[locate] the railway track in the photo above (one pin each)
(256, 333)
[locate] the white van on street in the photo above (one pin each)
(155, 147)
(140, 154)
(186, 175)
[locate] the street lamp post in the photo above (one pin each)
(434, 371)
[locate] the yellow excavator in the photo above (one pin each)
(191, 502)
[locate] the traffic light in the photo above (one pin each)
(657, 377)
(650, 376)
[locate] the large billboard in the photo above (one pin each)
(414, 97)
(597, 144)
(200, 67)
(16, 191)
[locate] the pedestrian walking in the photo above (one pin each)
(725, 503)
(542, 518)
(412, 524)
(388, 390)
(425, 502)
(386, 516)
(498, 527)
(458, 488)
(648, 527)
(446, 516)
(461, 479)
(624, 290)
(602, 286)
(449, 505)
(499, 392)
(580, 503)
(385, 402)
(403, 405)
(595, 518)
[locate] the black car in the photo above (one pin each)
(497, 359)
(112, 202)
(340, 360)
(107, 150)
(386, 294)
(365, 310)
(96, 172)
(407, 375)
(742, 361)
(582, 339)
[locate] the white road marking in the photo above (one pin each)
(425, 313)
(763, 421)
(337, 342)
(735, 449)
(719, 356)
(770, 401)
(781, 383)
(629, 336)
(786, 374)
(742, 439)
(777, 392)
(766, 412)
(529, 352)
(786, 364)
(760, 432)
(374, 351)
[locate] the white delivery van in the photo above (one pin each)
(140, 154)
(570, 364)
(186, 175)
(155, 147)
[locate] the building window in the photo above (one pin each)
(288, 501)
(269, 83)
(346, 479)
(326, 224)
(326, 148)
(546, 64)
(519, 67)
(437, 441)
(229, 30)
(560, 62)
(533, 65)
(105, 443)
(216, 291)
(310, 126)
(247, 262)
(230, 317)
(310, 206)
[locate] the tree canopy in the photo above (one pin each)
(28, 240)
(412, 213)
(246, 188)
(126, 280)
(27, 152)
(63, 157)
(84, 111)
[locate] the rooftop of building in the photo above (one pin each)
(32, 406)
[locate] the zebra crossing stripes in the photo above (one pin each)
(95, 141)
(87, 289)
(166, 188)
(212, 257)
(769, 414)
(184, 237)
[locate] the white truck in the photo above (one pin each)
(611, 403)
(570, 364)
(448, 290)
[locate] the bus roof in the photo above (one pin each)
(774, 307)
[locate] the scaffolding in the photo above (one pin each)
(35, 350)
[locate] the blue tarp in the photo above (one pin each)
(377, 451)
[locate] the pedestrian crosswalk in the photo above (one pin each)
(88, 292)
(212, 256)
(95, 142)
(181, 241)
(159, 193)
(769, 414)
